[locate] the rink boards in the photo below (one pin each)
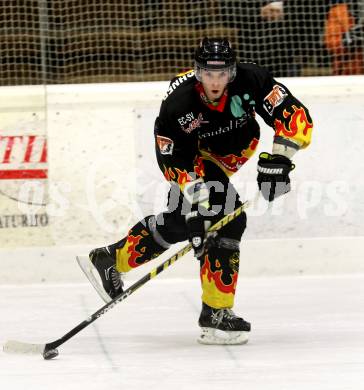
(77, 168)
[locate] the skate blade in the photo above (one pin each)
(210, 336)
(90, 271)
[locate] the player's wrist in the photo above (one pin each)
(284, 150)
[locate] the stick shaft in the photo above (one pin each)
(163, 266)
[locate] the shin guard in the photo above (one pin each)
(219, 275)
(219, 265)
(142, 244)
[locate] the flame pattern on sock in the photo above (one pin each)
(219, 277)
(139, 248)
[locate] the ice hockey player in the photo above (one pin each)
(205, 132)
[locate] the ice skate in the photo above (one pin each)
(101, 261)
(222, 326)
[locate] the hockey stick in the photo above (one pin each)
(49, 350)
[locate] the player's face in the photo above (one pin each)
(214, 82)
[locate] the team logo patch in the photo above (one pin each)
(165, 144)
(236, 106)
(274, 98)
(189, 123)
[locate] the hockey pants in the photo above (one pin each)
(219, 265)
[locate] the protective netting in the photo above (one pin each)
(67, 41)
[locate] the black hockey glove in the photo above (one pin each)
(273, 171)
(197, 226)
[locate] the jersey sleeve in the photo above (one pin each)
(289, 118)
(175, 151)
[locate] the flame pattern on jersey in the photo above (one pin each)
(181, 177)
(177, 175)
(219, 277)
(231, 163)
(296, 126)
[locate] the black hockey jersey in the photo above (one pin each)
(190, 131)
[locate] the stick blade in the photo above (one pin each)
(18, 347)
(89, 271)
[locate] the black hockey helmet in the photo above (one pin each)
(215, 54)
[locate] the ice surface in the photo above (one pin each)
(307, 333)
